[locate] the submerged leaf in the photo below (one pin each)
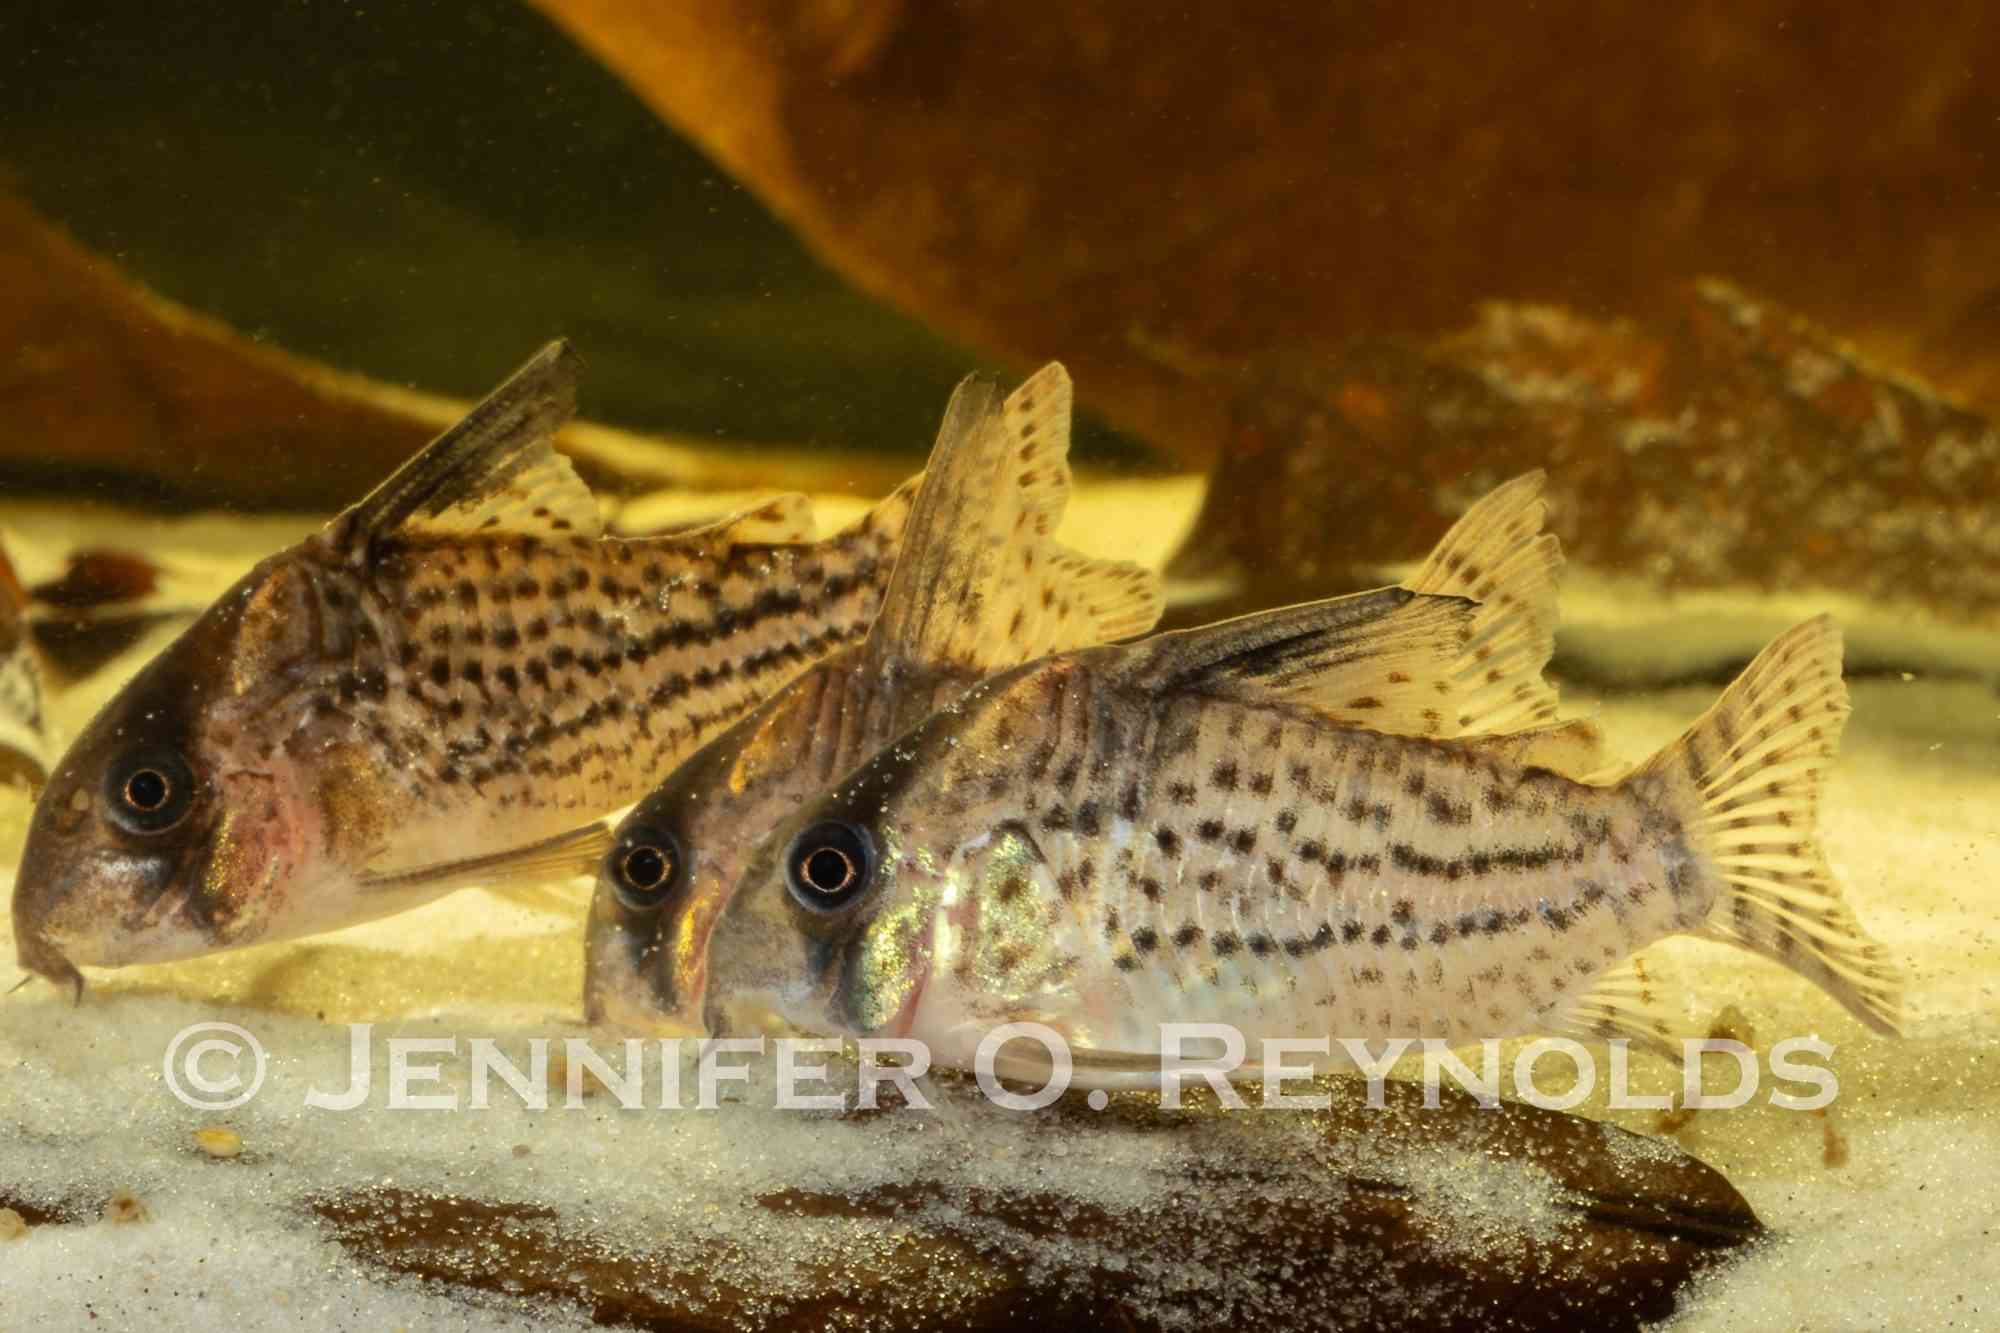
(1058, 180)
(104, 380)
(1465, 1218)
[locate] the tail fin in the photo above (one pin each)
(1755, 762)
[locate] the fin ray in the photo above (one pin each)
(1351, 658)
(1498, 555)
(496, 469)
(1752, 768)
(981, 583)
(1415, 670)
(1622, 1005)
(574, 852)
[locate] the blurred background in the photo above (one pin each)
(1731, 271)
(426, 192)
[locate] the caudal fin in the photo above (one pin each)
(1756, 761)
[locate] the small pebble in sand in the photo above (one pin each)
(12, 1225)
(126, 1207)
(218, 1141)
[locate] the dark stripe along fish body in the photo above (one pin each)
(1355, 818)
(980, 585)
(442, 687)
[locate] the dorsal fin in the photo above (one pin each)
(1498, 555)
(981, 584)
(782, 520)
(1457, 650)
(496, 470)
(1349, 658)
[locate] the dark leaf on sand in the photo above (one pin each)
(1454, 1219)
(103, 381)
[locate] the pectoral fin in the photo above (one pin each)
(576, 852)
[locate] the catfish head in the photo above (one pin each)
(175, 825)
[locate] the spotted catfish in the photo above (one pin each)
(441, 687)
(980, 586)
(1354, 819)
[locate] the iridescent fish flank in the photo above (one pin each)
(437, 689)
(980, 586)
(1351, 819)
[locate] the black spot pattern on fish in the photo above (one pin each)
(531, 695)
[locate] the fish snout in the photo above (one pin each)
(34, 948)
(83, 899)
(629, 981)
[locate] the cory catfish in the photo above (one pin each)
(442, 687)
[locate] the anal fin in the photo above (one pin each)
(1625, 1005)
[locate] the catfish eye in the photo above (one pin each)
(149, 792)
(644, 866)
(828, 864)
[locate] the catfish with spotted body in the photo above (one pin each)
(1349, 819)
(440, 688)
(980, 586)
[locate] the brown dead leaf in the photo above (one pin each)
(102, 380)
(1044, 179)
(1637, 1219)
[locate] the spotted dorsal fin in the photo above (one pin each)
(1456, 650)
(496, 470)
(981, 584)
(1498, 555)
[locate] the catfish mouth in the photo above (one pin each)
(82, 920)
(647, 971)
(41, 958)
